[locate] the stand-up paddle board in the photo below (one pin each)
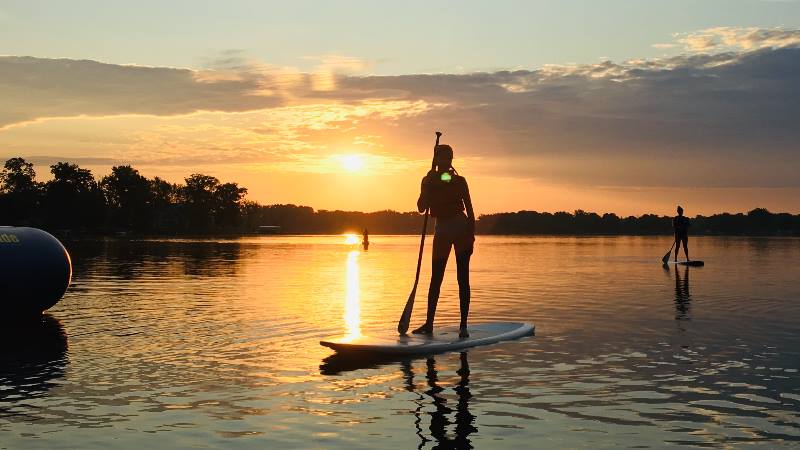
(444, 339)
(694, 263)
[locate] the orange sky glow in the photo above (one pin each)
(628, 137)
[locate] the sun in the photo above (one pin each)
(352, 163)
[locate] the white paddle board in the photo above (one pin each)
(443, 339)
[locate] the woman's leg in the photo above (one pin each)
(685, 240)
(437, 275)
(441, 251)
(677, 247)
(462, 263)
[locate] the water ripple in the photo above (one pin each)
(214, 343)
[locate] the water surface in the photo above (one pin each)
(212, 343)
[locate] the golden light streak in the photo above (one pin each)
(350, 239)
(352, 306)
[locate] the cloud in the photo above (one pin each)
(36, 88)
(721, 115)
(709, 120)
(48, 160)
(733, 38)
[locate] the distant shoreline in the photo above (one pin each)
(125, 203)
(144, 237)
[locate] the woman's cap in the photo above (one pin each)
(443, 151)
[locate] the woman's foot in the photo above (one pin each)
(462, 332)
(426, 328)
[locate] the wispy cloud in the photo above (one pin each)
(733, 39)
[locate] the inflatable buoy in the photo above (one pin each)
(35, 271)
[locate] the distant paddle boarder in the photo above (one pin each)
(681, 225)
(447, 195)
(365, 240)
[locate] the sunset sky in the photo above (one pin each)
(618, 106)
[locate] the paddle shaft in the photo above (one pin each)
(666, 257)
(405, 318)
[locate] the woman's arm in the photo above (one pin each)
(468, 205)
(423, 202)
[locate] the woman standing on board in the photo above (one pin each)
(681, 225)
(447, 195)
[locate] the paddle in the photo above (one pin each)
(405, 318)
(665, 259)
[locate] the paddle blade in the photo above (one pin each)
(405, 319)
(665, 259)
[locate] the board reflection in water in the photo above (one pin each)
(683, 299)
(449, 425)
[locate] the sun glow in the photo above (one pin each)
(352, 163)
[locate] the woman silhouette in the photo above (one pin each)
(447, 195)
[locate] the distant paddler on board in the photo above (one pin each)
(680, 226)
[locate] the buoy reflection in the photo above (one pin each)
(352, 306)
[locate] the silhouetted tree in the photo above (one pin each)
(198, 197)
(73, 198)
(164, 193)
(129, 198)
(19, 193)
(228, 204)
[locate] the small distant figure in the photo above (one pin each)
(365, 240)
(446, 193)
(681, 225)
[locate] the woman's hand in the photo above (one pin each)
(429, 179)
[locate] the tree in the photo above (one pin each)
(129, 197)
(198, 197)
(228, 204)
(19, 192)
(199, 189)
(17, 176)
(164, 193)
(73, 198)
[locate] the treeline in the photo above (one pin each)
(758, 222)
(305, 220)
(125, 201)
(121, 201)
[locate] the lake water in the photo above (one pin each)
(214, 343)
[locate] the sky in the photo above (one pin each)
(619, 106)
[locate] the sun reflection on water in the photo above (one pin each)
(350, 239)
(352, 306)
